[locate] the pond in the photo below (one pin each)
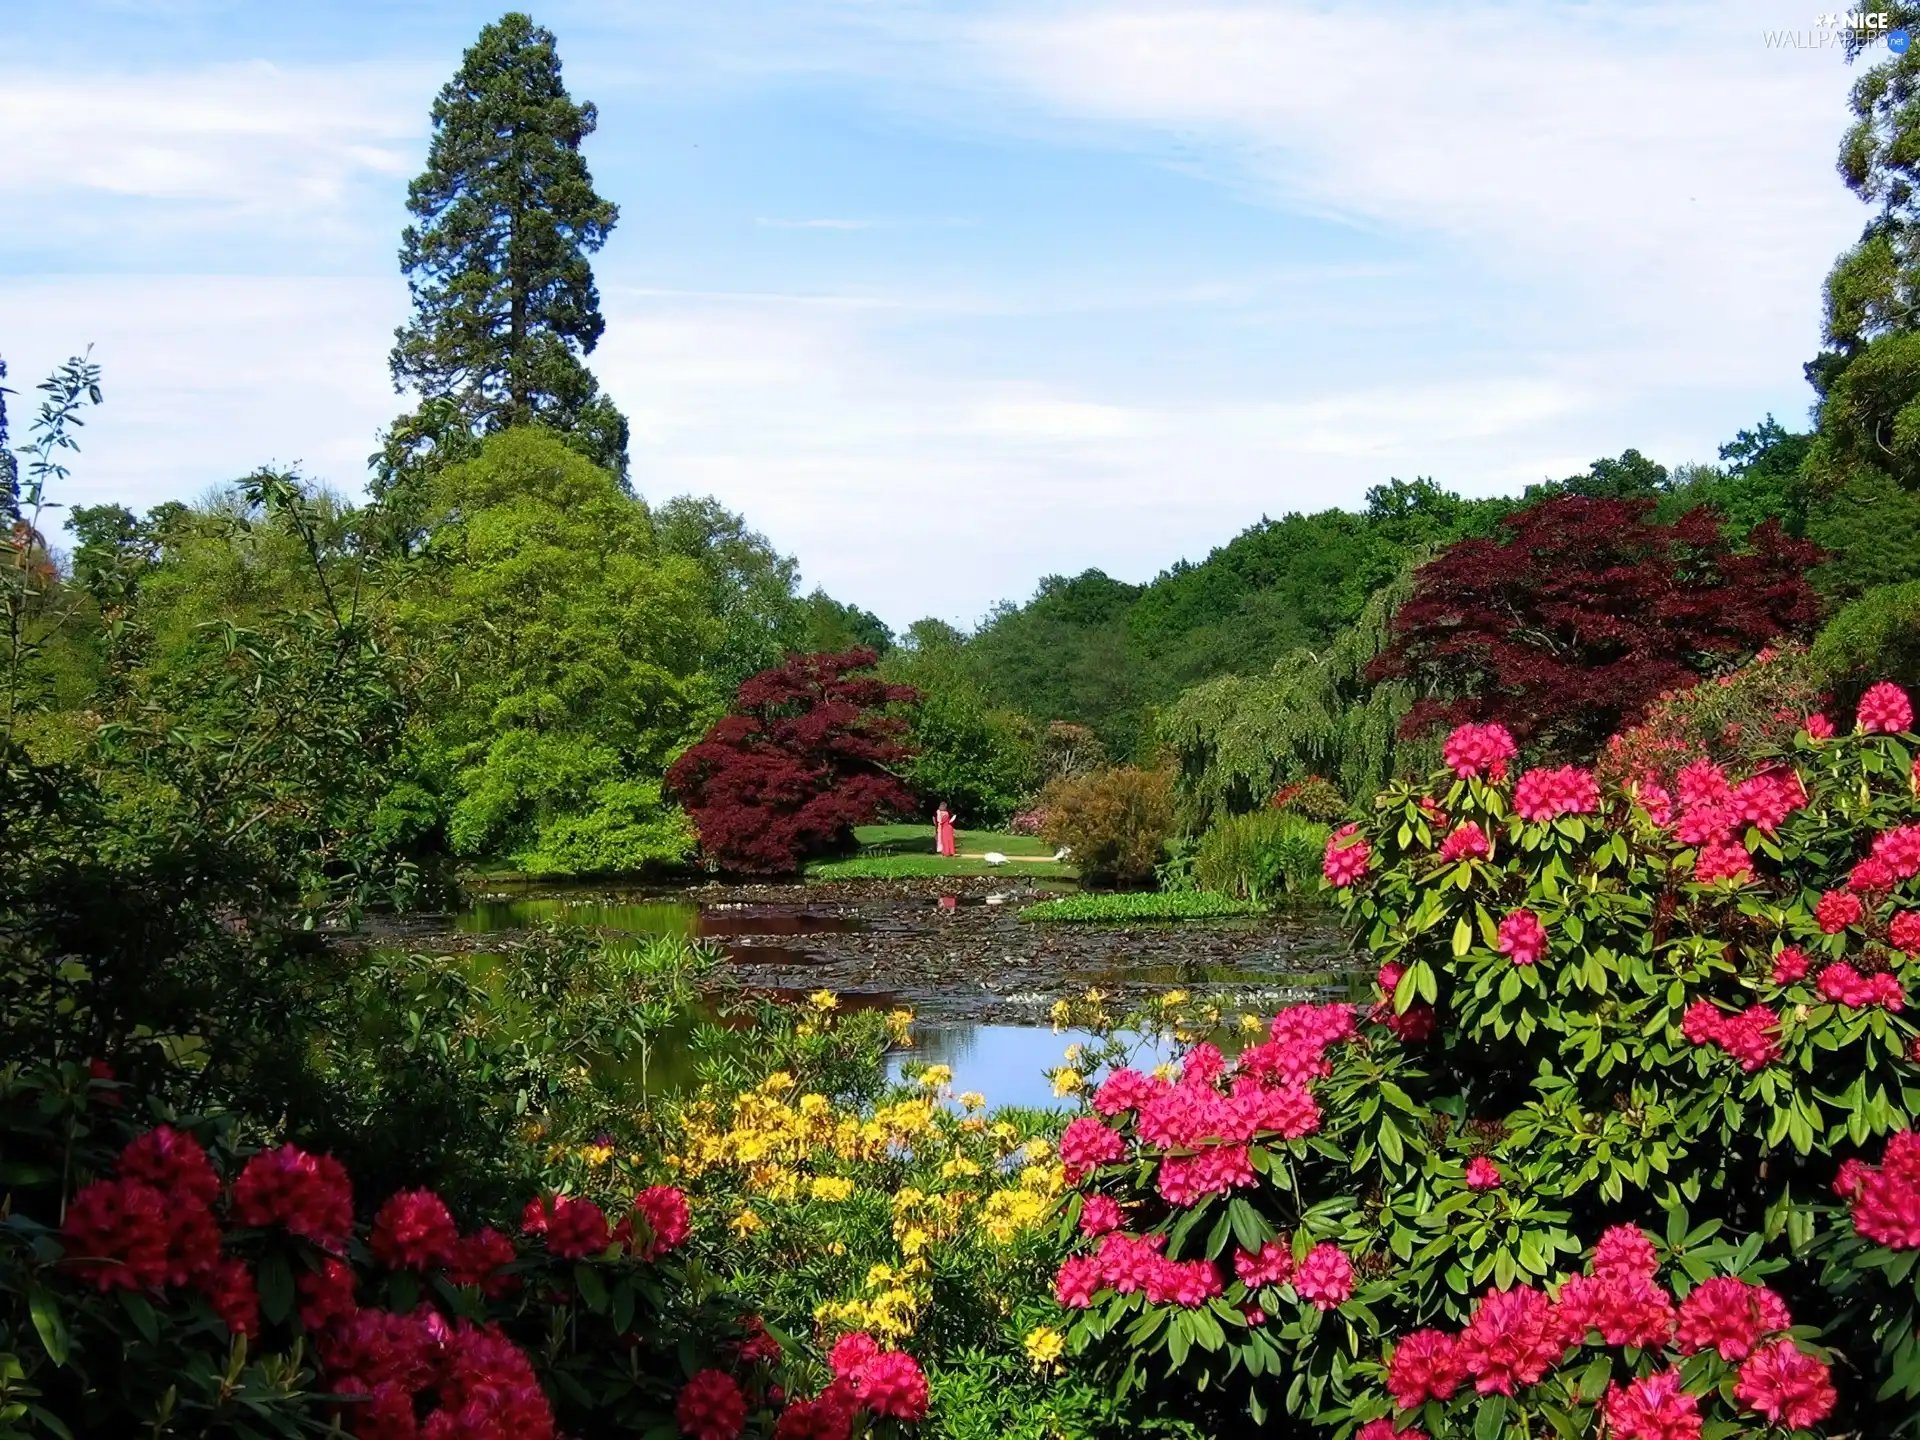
(979, 979)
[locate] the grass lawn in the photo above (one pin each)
(891, 851)
(1151, 905)
(918, 840)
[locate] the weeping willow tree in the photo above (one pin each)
(1239, 738)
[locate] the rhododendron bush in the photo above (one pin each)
(1619, 1147)
(164, 1285)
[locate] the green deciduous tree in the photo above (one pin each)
(504, 300)
(568, 649)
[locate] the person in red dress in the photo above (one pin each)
(943, 830)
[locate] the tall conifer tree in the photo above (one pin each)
(505, 216)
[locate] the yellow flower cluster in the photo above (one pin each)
(889, 1311)
(1045, 1346)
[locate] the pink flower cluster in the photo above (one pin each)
(309, 1195)
(1899, 850)
(1522, 937)
(1884, 710)
(1347, 857)
(1837, 910)
(885, 1383)
(1886, 1201)
(1751, 1036)
(1467, 841)
(153, 1225)
(477, 1384)
(1086, 1144)
(1130, 1264)
(1844, 985)
(1480, 750)
(1904, 932)
(573, 1228)
(1482, 1174)
(413, 1230)
(1515, 1337)
(1790, 965)
(1543, 794)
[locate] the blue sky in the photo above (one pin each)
(946, 296)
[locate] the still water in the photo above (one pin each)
(979, 979)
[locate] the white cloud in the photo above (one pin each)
(235, 145)
(1651, 171)
(209, 377)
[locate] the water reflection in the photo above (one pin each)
(651, 917)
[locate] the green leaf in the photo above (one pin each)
(275, 1280)
(592, 1289)
(1490, 1418)
(50, 1324)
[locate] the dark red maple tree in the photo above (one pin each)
(806, 754)
(1569, 624)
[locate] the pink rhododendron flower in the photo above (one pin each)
(479, 1258)
(1885, 710)
(1786, 1386)
(1751, 1036)
(1425, 1365)
(892, 1385)
(1904, 932)
(1837, 910)
(1273, 1265)
(1870, 876)
(1654, 1407)
(1819, 727)
(1190, 1283)
(1886, 1203)
(1187, 1179)
(228, 1286)
(1764, 802)
(1729, 1315)
(1479, 750)
(1087, 1144)
(326, 1294)
(1078, 1278)
(663, 1216)
(308, 1194)
(1841, 983)
(1383, 1430)
(710, 1406)
(1790, 965)
(574, 1228)
(1852, 1178)
(1568, 790)
(1702, 783)
(172, 1162)
(413, 1231)
(851, 1351)
(1722, 860)
(1124, 1089)
(1625, 1250)
(1482, 1174)
(1347, 857)
(1513, 1339)
(1522, 937)
(1899, 850)
(1099, 1214)
(1467, 841)
(1654, 798)
(1325, 1277)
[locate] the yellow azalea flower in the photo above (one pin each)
(1094, 997)
(1046, 1179)
(746, 1223)
(836, 1247)
(831, 1187)
(823, 1000)
(1250, 1023)
(1060, 1013)
(779, 1080)
(1036, 1149)
(1003, 1130)
(972, 1100)
(1074, 1052)
(1168, 1072)
(1174, 997)
(596, 1154)
(1068, 1082)
(1007, 1212)
(915, 1240)
(974, 1124)
(934, 1076)
(1045, 1346)
(958, 1166)
(899, 1026)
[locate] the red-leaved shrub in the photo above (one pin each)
(808, 753)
